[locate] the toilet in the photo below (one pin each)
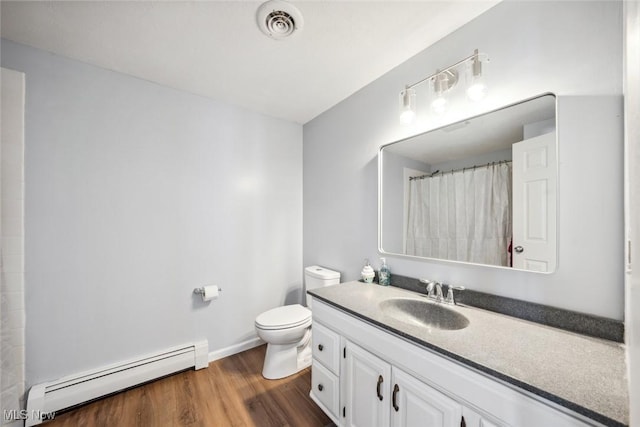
(287, 329)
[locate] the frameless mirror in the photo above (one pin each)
(481, 191)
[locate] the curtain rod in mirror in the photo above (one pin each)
(438, 172)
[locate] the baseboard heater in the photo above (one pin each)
(47, 398)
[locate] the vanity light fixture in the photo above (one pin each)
(476, 86)
(444, 80)
(407, 105)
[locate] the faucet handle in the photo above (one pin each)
(429, 284)
(450, 299)
(438, 291)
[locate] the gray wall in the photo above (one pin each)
(135, 195)
(535, 47)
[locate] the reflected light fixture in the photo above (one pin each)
(444, 80)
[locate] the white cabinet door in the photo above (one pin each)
(473, 419)
(366, 388)
(324, 390)
(415, 403)
(534, 204)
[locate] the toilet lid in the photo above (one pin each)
(287, 316)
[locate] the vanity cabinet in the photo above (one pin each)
(473, 419)
(364, 375)
(378, 394)
(414, 403)
(366, 379)
(325, 370)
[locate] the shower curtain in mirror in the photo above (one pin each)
(462, 215)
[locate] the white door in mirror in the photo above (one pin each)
(534, 204)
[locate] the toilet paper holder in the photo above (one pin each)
(200, 291)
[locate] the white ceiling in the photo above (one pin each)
(215, 49)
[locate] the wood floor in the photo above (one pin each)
(231, 392)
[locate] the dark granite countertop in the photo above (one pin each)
(584, 374)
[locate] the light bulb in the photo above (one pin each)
(407, 105)
(477, 91)
(441, 83)
(476, 86)
(407, 116)
(439, 105)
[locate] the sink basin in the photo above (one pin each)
(423, 313)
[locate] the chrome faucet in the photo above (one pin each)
(434, 291)
(436, 288)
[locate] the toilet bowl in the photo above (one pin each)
(287, 329)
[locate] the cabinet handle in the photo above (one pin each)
(320, 387)
(380, 381)
(396, 389)
(320, 347)
(518, 249)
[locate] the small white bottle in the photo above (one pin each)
(367, 272)
(384, 274)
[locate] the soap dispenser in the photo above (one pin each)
(385, 273)
(367, 272)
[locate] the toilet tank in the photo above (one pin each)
(317, 277)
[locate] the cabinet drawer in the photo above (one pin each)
(325, 388)
(326, 347)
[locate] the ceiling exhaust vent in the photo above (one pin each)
(279, 19)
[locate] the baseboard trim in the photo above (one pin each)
(234, 349)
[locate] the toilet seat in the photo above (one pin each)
(288, 316)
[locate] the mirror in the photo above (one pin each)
(480, 191)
